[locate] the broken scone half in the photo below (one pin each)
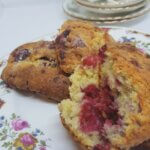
(109, 108)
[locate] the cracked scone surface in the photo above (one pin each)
(76, 40)
(112, 111)
(127, 72)
(34, 67)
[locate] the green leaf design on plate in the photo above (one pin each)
(7, 144)
(3, 138)
(43, 143)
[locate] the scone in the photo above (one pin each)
(34, 67)
(143, 146)
(109, 108)
(76, 40)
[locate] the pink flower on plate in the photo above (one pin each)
(27, 140)
(42, 148)
(19, 124)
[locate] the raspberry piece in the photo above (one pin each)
(91, 61)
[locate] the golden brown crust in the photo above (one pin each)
(76, 40)
(133, 65)
(34, 67)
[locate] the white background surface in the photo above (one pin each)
(24, 20)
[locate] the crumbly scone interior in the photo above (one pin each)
(84, 77)
(70, 108)
(126, 100)
(104, 117)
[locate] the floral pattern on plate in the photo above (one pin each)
(17, 134)
(140, 40)
(142, 45)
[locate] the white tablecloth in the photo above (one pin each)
(24, 20)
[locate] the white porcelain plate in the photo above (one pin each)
(72, 8)
(27, 120)
(109, 3)
(118, 10)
